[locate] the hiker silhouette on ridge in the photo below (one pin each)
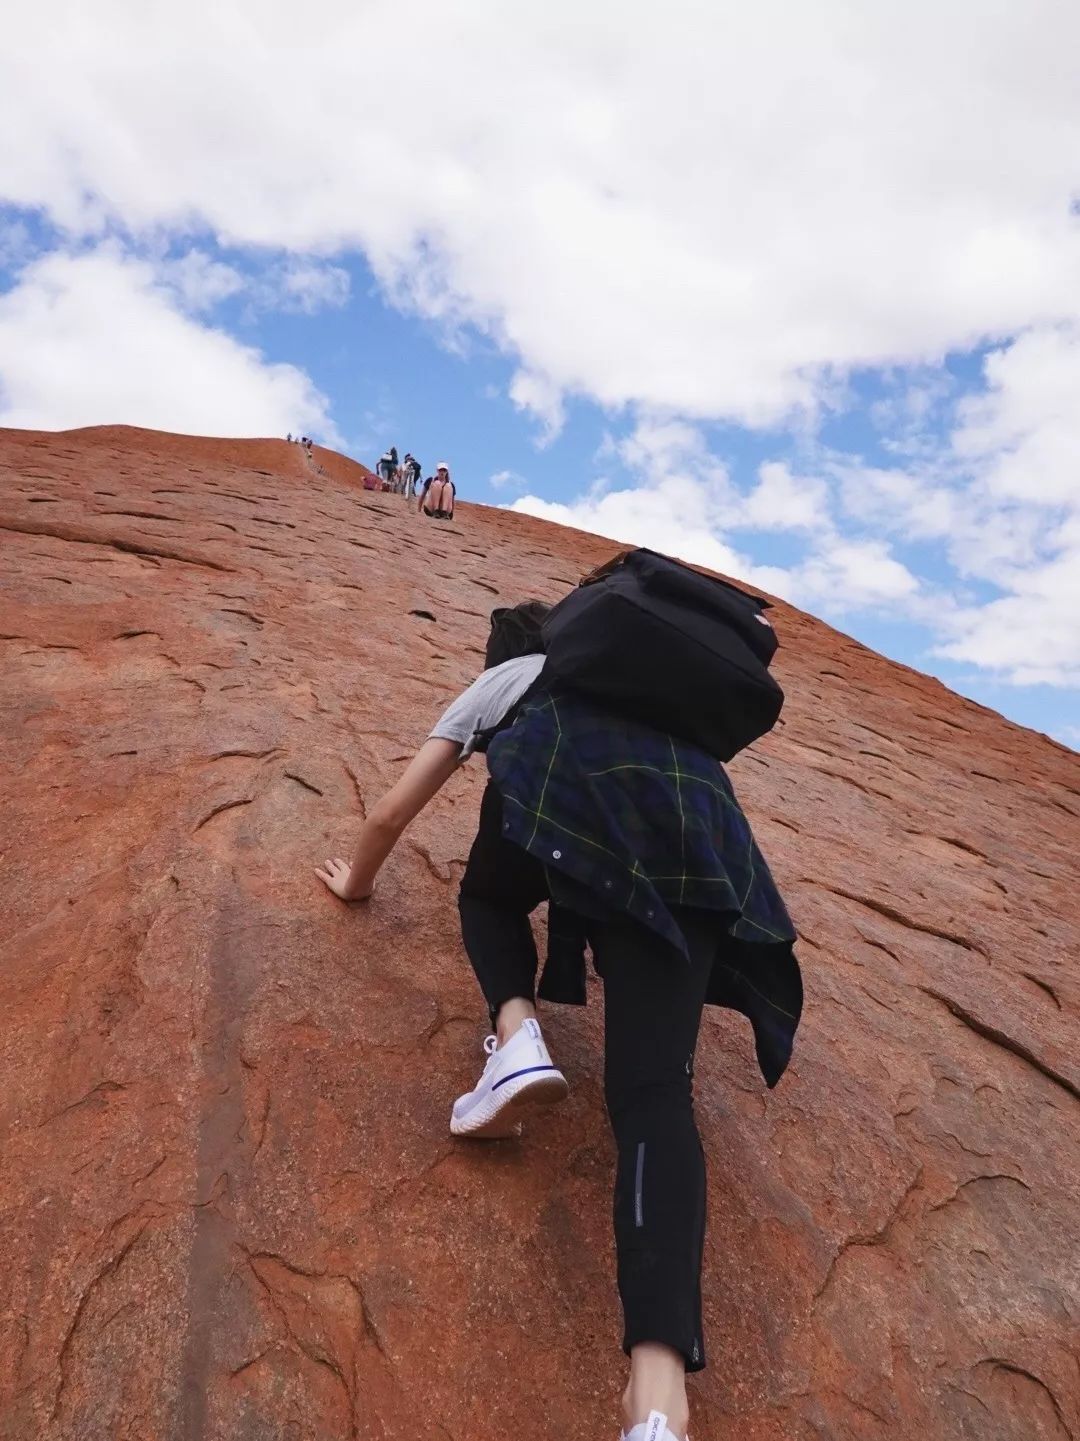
(411, 471)
(386, 466)
(635, 838)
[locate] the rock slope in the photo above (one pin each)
(229, 1205)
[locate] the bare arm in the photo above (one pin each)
(428, 771)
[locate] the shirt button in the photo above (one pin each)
(556, 855)
(650, 914)
(607, 885)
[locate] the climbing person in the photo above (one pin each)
(411, 469)
(635, 838)
(386, 465)
(437, 496)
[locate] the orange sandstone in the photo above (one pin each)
(230, 1205)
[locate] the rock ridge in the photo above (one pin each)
(230, 1205)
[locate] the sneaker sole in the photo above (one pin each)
(501, 1112)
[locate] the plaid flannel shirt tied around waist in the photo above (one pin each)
(628, 820)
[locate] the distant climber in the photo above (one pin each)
(411, 472)
(387, 465)
(637, 841)
(437, 495)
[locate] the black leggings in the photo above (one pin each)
(653, 1004)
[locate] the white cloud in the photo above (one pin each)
(837, 576)
(663, 445)
(1001, 497)
(1021, 441)
(507, 480)
(910, 414)
(294, 284)
(674, 504)
(96, 338)
(1000, 501)
(200, 281)
(844, 575)
(700, 212)
(669, 517)
(541, 398)
(718, 209)
(683, 503)
(1024, 432)
(307, 286)
(1031, 637)
(783, 501)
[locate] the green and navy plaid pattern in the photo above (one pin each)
(628, 820)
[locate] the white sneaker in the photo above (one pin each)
(516, 1076)
(654, 1429)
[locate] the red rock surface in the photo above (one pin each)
(230, 1206)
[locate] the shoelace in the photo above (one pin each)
(491, 1044)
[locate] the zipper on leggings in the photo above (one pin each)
(639, 1177)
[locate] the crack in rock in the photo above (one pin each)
(1008, 1043)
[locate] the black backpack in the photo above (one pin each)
(684, 653)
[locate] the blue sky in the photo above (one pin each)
(817, 325)
(392, 382)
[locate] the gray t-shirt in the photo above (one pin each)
(487, 700)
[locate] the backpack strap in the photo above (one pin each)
(482, 739)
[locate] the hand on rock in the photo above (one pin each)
(335, 874)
